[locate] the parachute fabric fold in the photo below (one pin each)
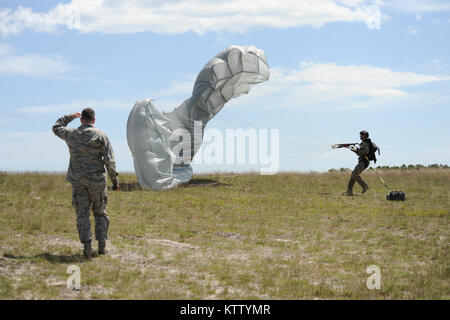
(153, 136)
(148, 134)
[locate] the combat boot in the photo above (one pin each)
(350, 185)
(87, 249)
(365, 188)
(101, 248)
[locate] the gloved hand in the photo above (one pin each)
(353, 148)
(115, 186)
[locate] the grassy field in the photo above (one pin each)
(287, 236)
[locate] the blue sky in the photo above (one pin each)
(337, 67)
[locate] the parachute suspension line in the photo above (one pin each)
(300, 154)
(254, 124)
(241, 119)
(296, 155)
(246, 121)
(307, 155)
(252, 105)
(324, 144)
(320, 127)
(325, 134)
(302, 109)
(292, 156)
(217, 117)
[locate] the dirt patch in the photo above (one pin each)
(133, 259)
(221, 234)
(173, 244)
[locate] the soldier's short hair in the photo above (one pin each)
(88, 114)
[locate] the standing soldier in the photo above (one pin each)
(90, 152)
(363, 163)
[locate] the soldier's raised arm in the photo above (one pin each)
(109, 160)
(60, 127)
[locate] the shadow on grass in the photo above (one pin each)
(134, 186)
(204, 183)
(50, 257)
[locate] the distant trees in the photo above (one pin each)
(414, 167)
(402, 167)
(343, 170)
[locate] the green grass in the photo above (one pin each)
(287, 236)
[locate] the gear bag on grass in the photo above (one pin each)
(396, 196)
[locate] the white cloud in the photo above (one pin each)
(310, 84)
(314, 82)
(75, 106)
(419, 5)
(330, 86)
(6, 49)
(354, 80)
(8, 120)
(179, 88)
(412, 31)
(435, 22)
(31, 64)
(326, 84)
(34, 64)
(174, 17)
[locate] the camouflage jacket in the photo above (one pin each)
(363, 150)
(90, 152)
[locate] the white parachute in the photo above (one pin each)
(163, 144)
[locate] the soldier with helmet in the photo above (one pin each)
(363, 162)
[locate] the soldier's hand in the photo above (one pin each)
(115, 186)
(76, 115)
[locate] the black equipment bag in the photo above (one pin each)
(396, 196)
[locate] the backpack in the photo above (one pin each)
(372, 149)
(396, 196)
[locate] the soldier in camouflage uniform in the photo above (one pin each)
(363, 163)
(90, 152)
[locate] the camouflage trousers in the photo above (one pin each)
(355, 177)
(84, 197)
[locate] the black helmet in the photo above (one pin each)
(365, 132)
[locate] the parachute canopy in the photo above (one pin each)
(164, 144)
